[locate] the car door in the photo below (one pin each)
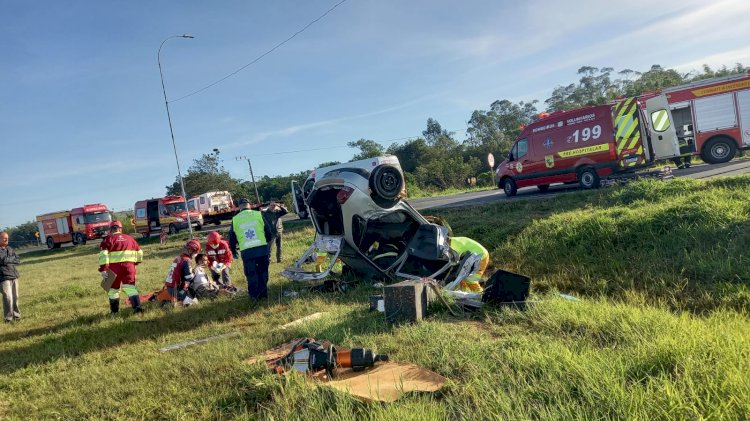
(298, 201)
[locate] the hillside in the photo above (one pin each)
(661, 329)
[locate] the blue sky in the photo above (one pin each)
(82, 116)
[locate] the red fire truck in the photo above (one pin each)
(584, 145)
(76, 225)
(712, 116)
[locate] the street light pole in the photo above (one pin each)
(171, 131)
(252, 177)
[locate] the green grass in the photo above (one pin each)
(661, 330)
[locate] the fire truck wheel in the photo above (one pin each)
(718, 150)
(509, 187)
(78, 238)
(386, 182)
(51, 244)
(543, 187)
(588, 178)
(172, 229)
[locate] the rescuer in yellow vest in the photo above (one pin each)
(463, 245)
(250, 232)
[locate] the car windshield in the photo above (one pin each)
(91, 218)
(176, 207)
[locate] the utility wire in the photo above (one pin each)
(262, 55)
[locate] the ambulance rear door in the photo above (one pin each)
(663, 135)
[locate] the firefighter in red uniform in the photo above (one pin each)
(120, 253)
(181, 271)
(219, 259)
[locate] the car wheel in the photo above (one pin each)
(386, 181)
(718, 150)
(172, 229)
(543, 187)
(588, 178)
(509, 187)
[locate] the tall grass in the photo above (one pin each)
(621, 352)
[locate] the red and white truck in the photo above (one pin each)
(587, 144)
(215, 206)
(712, 116)
(74, 226)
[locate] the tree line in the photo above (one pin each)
(438, 160)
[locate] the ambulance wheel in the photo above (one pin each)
(718, 150)
(198, 227)
(543, 187)
(172, 229)
(588, 178)
(217, 222)
(145, 235)
(386, 181)
(509, 187)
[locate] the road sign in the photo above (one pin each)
(491, 160)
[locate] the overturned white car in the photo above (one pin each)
(360, 217)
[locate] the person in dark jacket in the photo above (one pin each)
(9, 279)
(274, 213)
(250, 231)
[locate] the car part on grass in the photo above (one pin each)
(309, 356)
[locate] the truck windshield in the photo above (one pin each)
(91, 218)
(176, 207)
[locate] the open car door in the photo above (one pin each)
(298, 200)
(664, 141)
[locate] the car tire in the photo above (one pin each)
(509, 187)
(386, 182)
(588, 178)
(719, 150)
(543, 187)
(172, 229)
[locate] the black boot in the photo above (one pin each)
(135, 301)
(114, 305)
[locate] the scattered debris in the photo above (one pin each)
(198, 341)
(374, 381)
(314, 316)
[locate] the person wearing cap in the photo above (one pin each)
(249, 233)
(120, 254)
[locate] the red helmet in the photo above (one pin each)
(214, 238)
(193, 246)
(114, 224)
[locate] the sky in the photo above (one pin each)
(83, 118)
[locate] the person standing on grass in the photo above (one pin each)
(249, 232)
(274, 213)
(120, 253)
(9, 279)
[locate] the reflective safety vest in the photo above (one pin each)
(248, 228)
(119, 248)
(463, 245)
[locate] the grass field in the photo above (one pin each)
(661, 330)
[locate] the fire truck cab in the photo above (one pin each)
(168, 212)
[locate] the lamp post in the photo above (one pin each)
(252, 177)
(171, 132)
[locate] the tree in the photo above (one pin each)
(654, 79)
(411, 154)
(204, 175)
(368, 149)
(495, 130)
